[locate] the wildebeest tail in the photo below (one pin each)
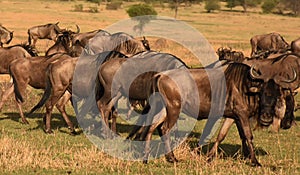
(18, 95)
(47, 92)
(99, 89)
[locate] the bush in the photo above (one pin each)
(95, 1)
(141, 10)
(93, 10)
(78, 8)
(211, 5)
(114, 5)
(269, 5)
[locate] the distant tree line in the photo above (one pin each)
(290, 7)
(268, 6)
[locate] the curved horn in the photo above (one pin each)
(230, 48)
(293, 79)
(78, 29)
(219, 49)
(254, 74)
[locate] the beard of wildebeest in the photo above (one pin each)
(289, 117)
(269, 95)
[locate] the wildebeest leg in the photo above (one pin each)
(24, 120)
(148, 138)
(222, 134)
(245, 148)
(6, 94)
(61, 106)
(249, 137)
(165, 137)
(56, 95)
(105, 105)
(21, 89)
(49, 108)
(141, 129)
(114, 115)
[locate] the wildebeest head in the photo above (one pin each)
(270, 93)
(5, 35)
(62, 44)
(223, 53)
(230, 55)
(70, 31)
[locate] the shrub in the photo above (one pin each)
(141, 10)
(78, 8)
(114, 5)
(141, 13)
(93, 10)
(95, 1)
(211, 5)
(269, 5)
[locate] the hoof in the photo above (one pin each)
(210, 159)
(48, 131)
(25, 122)
(145, 161)
(171, 158)
(255, 164)
(73, 132)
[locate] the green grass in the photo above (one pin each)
(26, 149)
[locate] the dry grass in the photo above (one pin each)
(26, 149)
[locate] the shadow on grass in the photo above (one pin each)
(228, 150)
(57, 121)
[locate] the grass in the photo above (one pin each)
(26, 149)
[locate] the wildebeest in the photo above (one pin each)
(282, 120)
(118, 75)
(273, 42)
(47, 31)
(33, 72)
(62, 44)
(5, 35)
(245, 96)
(59, 80)
(98, 50)
(83, 38)
(8, 54)
(80, 40)
(120, 41)
(295, 46)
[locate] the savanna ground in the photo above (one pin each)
(26, 149)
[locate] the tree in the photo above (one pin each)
(244, 3)
(174, 5)
(269, 5)
(232, 3)
(211, 5)
(293, 5)
(140, 13)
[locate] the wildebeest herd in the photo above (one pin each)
(261, 86)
